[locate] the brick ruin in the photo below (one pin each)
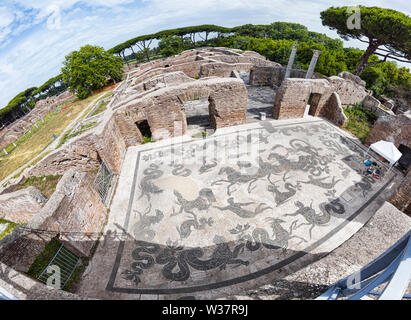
(396, 129)
(14, 131)
(157, 95)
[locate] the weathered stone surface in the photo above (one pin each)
(227, 98)
(273, 75)
(349, 89)
(19, 206)
(349, 76)
(81, 154)
(74, 213)
(375, 106)
(333, 110)
(402, 198)
(24, 288)
(292, 97)
(396, 129)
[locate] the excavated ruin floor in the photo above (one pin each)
(208, 218)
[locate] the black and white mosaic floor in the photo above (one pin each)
(213, 214)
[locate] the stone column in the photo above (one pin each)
(313, 62)
(290, 61)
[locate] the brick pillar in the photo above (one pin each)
(313, 62)
(290, 61)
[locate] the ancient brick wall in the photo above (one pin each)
(292, 97)
(74, 213)
(273, 74)
(223, 70)
(396, 129)
(350, 88)
(402, 198)
(163, 107)
(333, 110)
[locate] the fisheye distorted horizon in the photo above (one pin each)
(35, 36)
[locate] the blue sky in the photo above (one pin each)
(36, 35)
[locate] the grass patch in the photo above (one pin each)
(102, 107)
(47, 184)
(77, 273)
(44, 258)
(147, 140)
(10, 227)
(360, 121)
(32, 144)
(68, 135)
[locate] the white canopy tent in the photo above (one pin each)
(387, 150)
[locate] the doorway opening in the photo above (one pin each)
(199, 119)
(144, 129)
(312, 103)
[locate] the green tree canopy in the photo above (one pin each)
(387, 32)
(90, 69)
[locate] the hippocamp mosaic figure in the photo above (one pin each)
(142, 228)
(334, 206)
(143, 261)
(146, 186)
(202, 202)
(319, 182)
(313, 219)
(282, 197)
(236, 207)
(260, 237)
(183, 259)
(365, 185)
(185, 229)
(236, 177)
(207, 167)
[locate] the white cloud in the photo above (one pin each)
(63, 26)
(6, 17)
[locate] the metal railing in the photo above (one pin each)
(102, 182)
(392, 269)
(65, 261)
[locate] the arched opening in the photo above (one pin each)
(144, 129)
(312, 104)
(199, 116)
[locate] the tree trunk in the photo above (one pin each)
(364, 59)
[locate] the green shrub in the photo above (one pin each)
(360, 121)
(46, 184)
(146, 140)
(44, 258)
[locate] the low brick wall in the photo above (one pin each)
(292, 97)
(74, 213)
(372, 104)
(396, 129)
(333, 110)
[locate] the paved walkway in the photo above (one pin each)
(212, 217)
